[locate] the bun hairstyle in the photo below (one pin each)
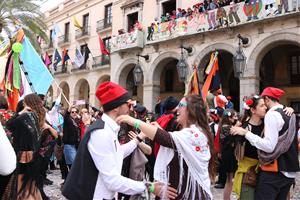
(251, 102)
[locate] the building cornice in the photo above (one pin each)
(71, 8)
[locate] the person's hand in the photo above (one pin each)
(162, 190)
(288, 111)
(125, 119)
(132, 135)
(238, 131)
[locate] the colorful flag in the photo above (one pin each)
(103, 49)
(57, 59)
(38, 74)
(79, 59)
(76, 23)
(65, 56)
(47, 60)
(194, 85)
(214, 67)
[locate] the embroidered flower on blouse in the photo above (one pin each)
(198, 148)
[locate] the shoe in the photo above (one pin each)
(47, 182)
(219, 186)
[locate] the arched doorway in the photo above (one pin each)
(127, 81)
(66, 91)
(100, 80)
(280, 67)
(229, 84)
(82, 91)
(167, 75)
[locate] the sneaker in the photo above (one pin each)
(219, 186)
(47, 182)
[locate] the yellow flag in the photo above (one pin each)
(76, 23)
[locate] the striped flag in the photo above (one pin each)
(212, 70)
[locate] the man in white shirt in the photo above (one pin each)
(276, 177)
(96, 173)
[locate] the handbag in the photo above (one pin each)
(250, 177)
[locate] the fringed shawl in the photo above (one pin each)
(192, 146)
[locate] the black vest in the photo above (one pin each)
(82, 179)
(288, 162)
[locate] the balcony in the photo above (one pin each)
(47, 47)
(233, 16)
(126, 41)
(100, 61)
(104, 24)
(83, 33)
(61, 69)
(64, 40)
(83, 67)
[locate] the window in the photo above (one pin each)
(168, 7)
(296, 106)
(108, 15)
(169, 80)
(85, 23)
(107, 42)
(50, 38)
(132, 19)
(67, 31)
(295, 69)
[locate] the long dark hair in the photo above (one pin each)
(197, 114)
(36, 104)
(228, 113)
(247, 114)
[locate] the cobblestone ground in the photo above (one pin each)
(53, 191)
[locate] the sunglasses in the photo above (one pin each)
(74, 112)
(181, 104)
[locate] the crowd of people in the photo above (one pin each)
(123, 151)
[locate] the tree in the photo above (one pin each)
(25, 14)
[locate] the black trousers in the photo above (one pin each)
(272, 186)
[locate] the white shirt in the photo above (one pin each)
(108, 155)
(273, 124)
(8, 158)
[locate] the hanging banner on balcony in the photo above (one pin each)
(201, 20)
(127, 40)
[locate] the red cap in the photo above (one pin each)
(111, 95)
(276, 93)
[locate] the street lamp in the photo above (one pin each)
(182, 67)
(239, 58)
(137, 71)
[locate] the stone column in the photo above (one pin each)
(92, 100)
(150, 94)
(248, 85)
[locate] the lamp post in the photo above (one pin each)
(239, 58)
(137, 71)
(182, 67)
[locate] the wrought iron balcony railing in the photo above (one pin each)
(100, 61)
(82, 33)
(64, 39)
(104, 24)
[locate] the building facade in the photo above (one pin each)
(140, 27)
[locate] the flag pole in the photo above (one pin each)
(61, 92)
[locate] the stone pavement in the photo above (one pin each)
(53, 191)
